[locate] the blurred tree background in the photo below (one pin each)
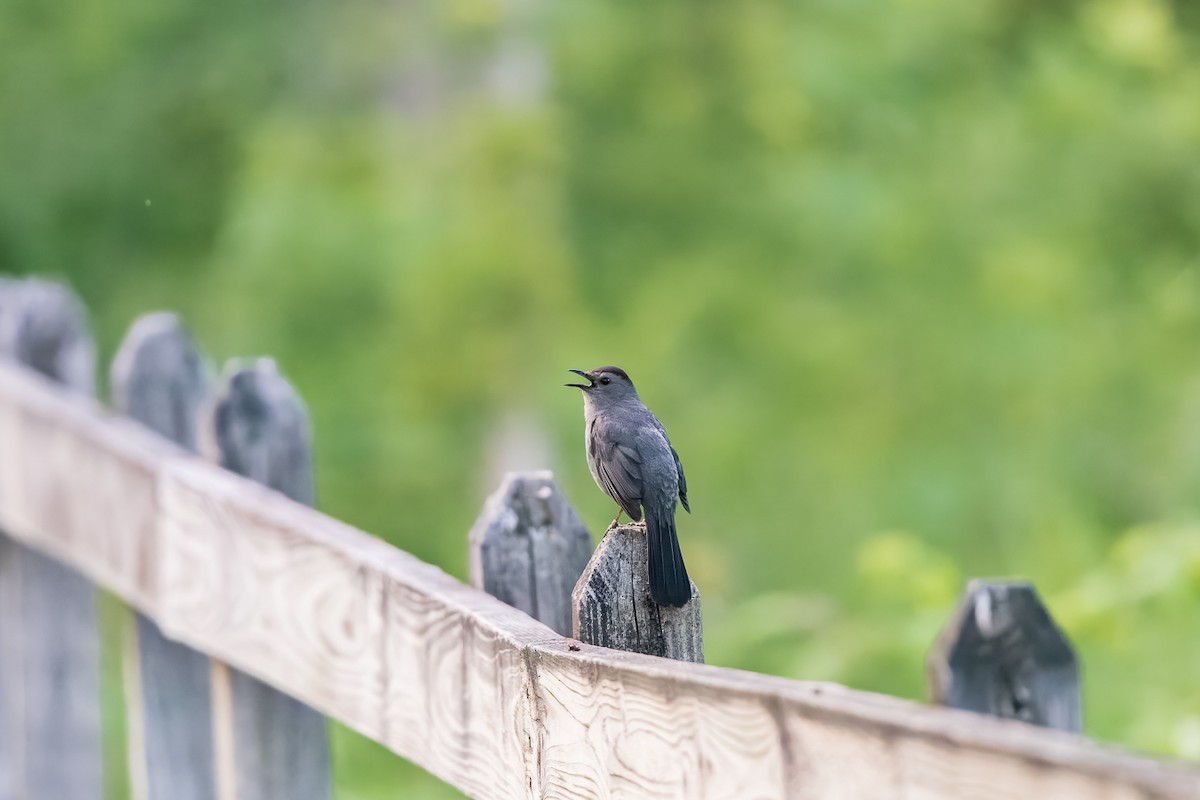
(914, 284)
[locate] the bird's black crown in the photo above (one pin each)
(617, 371)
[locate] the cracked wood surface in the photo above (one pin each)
(612, 605)
(477, 692)
(529, 547)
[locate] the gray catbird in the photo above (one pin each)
(633, 462)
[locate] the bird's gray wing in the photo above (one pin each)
(682, 481)
(678, 464)
(620, 471)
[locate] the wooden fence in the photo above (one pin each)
(264, 614)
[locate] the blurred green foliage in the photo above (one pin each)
(914, 284)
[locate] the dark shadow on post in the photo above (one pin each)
(50, 736)
(159, 379)
(1001, 654)
(528, 548)
(612, 605)
(258, 427)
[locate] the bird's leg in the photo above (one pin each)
(617, 518)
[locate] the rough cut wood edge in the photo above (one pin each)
(477, 692)
(612, 607)
(528, 548)
(1001, 653)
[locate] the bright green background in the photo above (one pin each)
(914, 285)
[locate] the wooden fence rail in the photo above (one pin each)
(491, 701)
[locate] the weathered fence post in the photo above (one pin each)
(1002, 654)
(269, 745)
(612, 605)
(528, 548)
(159, 379)
(50, 739)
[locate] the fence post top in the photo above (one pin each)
(612, 606)
(45, 326)
(513, 482)
(145, 331)
(153, 323)
(528, 547)
(995, 607)
(158, 358)
(259, 377)
(530, 493)
(1001, 653)
(257, 425)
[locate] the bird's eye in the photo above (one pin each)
(605, 381)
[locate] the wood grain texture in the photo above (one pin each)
(258, 581)
(257, 427)
(12, 743)
(159, 380)
(625, 727)
(612, 605)
(497, 703)
(50, 692)
(63, 746)
(83, 492)
(461, 697)
(529, 547)
(1002, 654)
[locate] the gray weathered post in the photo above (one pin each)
(612, 605)
(274, 745)
(159, 379)
(528, 548)
(1002, 654)
(50, 739)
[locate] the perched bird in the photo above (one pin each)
(632, 460)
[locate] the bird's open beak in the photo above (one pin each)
(590, 382)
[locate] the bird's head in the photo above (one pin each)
(604, 385)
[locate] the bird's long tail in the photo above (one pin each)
(669, 582)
